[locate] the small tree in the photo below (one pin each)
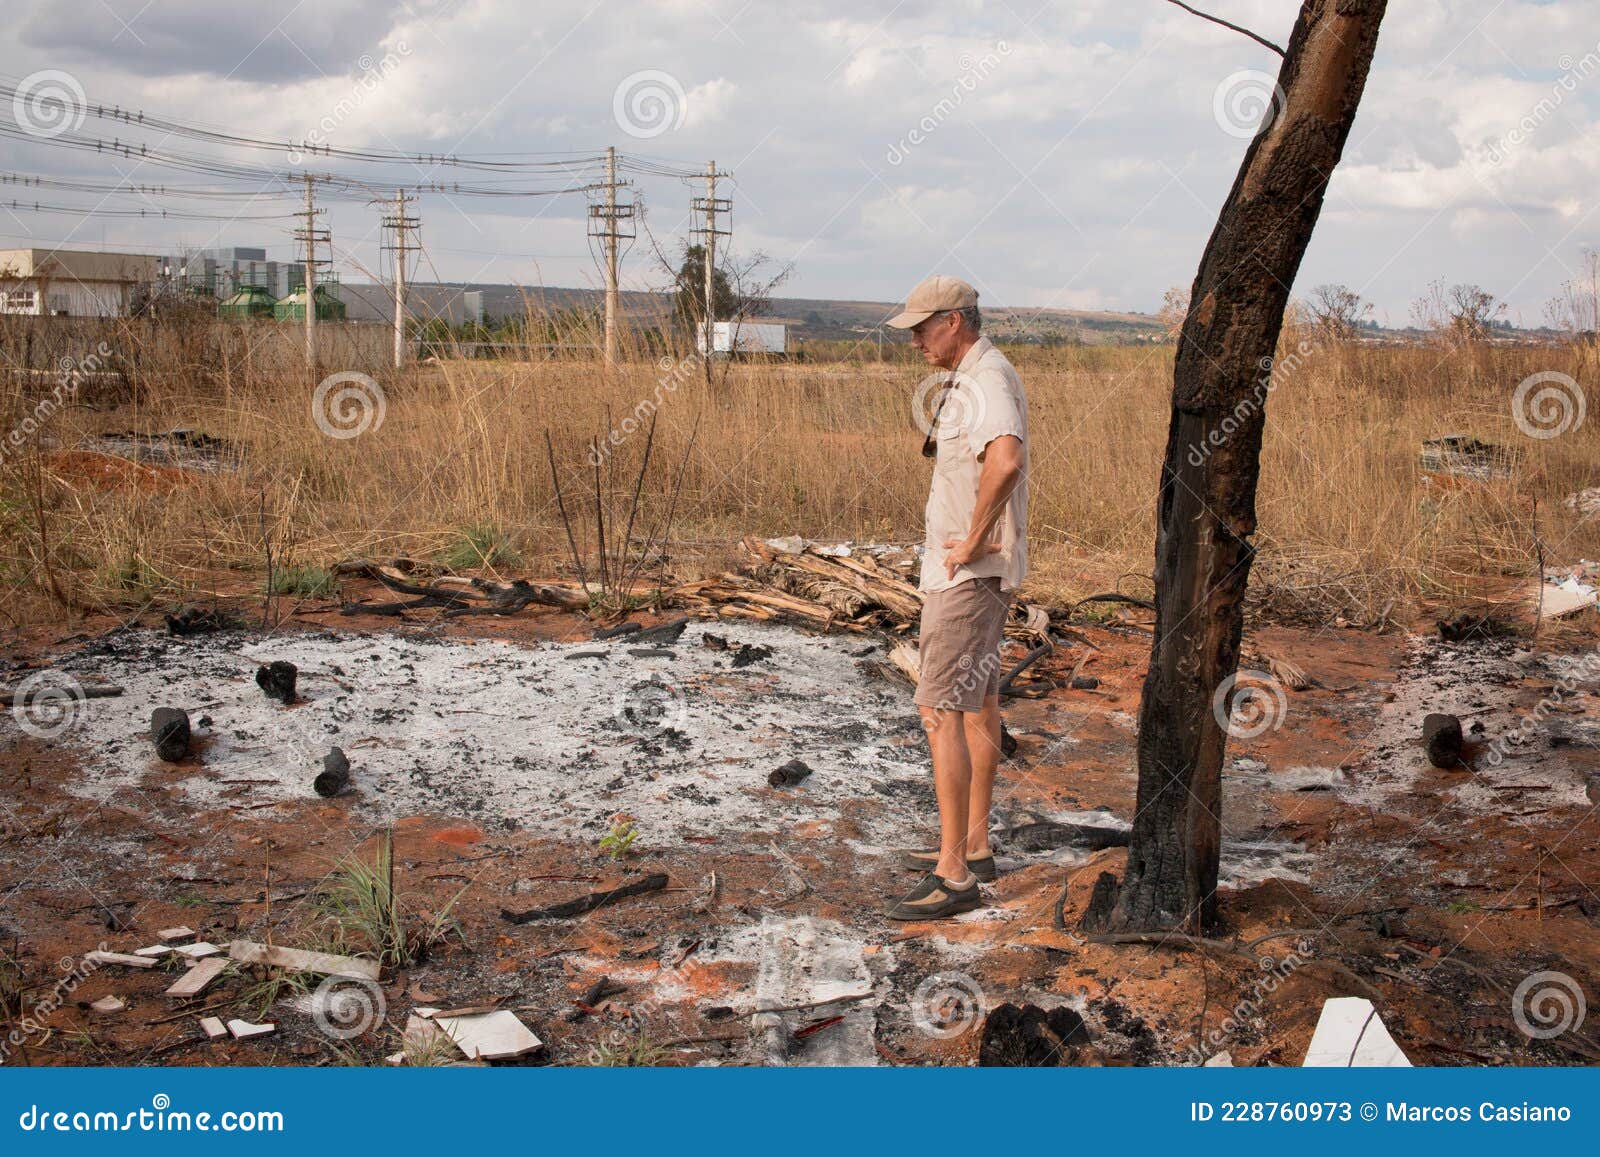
(1461, 313)
(1337, 311)
(1575, 311)
(1174, 308)
(689, 290)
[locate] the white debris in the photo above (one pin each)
(244, 1030)
(1350, 1034)
(489, 1036)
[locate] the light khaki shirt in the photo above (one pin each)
(985, 401)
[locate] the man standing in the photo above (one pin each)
(975, 555)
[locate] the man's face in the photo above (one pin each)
(939, 338)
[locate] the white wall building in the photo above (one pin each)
(71, 283)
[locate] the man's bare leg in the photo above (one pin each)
(952, 784)
(982, 729)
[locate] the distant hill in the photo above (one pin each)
(819, 319)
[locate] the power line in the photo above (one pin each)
(152, 214)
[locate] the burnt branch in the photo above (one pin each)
(1261, 40)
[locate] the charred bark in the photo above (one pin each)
(1206, 509)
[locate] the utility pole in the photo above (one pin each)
(402, 224)
(611, 222)
(710, 205)
(311, 236)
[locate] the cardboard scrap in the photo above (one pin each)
(198, 978)
(1350, 1034)
(297, 960)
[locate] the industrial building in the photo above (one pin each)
(72, 283)
(223, 272)
(425, 302)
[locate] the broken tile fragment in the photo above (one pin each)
(196, 951)
(490, 1036)
(244, 1030)
(181, 932)
(122, 958)
(108, 1004)
(297, 960)
(198, 978)
(213, 1027)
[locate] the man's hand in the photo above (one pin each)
(963, 552)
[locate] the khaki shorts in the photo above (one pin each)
(960, 645)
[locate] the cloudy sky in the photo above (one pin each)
(1055, 154)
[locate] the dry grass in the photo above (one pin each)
(458, 470)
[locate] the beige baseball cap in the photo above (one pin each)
(934, 295)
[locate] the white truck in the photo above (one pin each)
(744, 338)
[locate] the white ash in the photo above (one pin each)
(521, 734)
(1481, 682)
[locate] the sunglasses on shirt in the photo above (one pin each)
(930, 444)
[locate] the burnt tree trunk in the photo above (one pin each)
(1206, 509)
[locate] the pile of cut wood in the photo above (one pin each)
(850, 592)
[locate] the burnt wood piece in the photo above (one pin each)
(1026, 1036)
(615, 632)
(278, 680)
(169, 727)
(789, 775)
(1048, 835)
(665, 633)
(1441, 735)
(335, 774)
(589, 903)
